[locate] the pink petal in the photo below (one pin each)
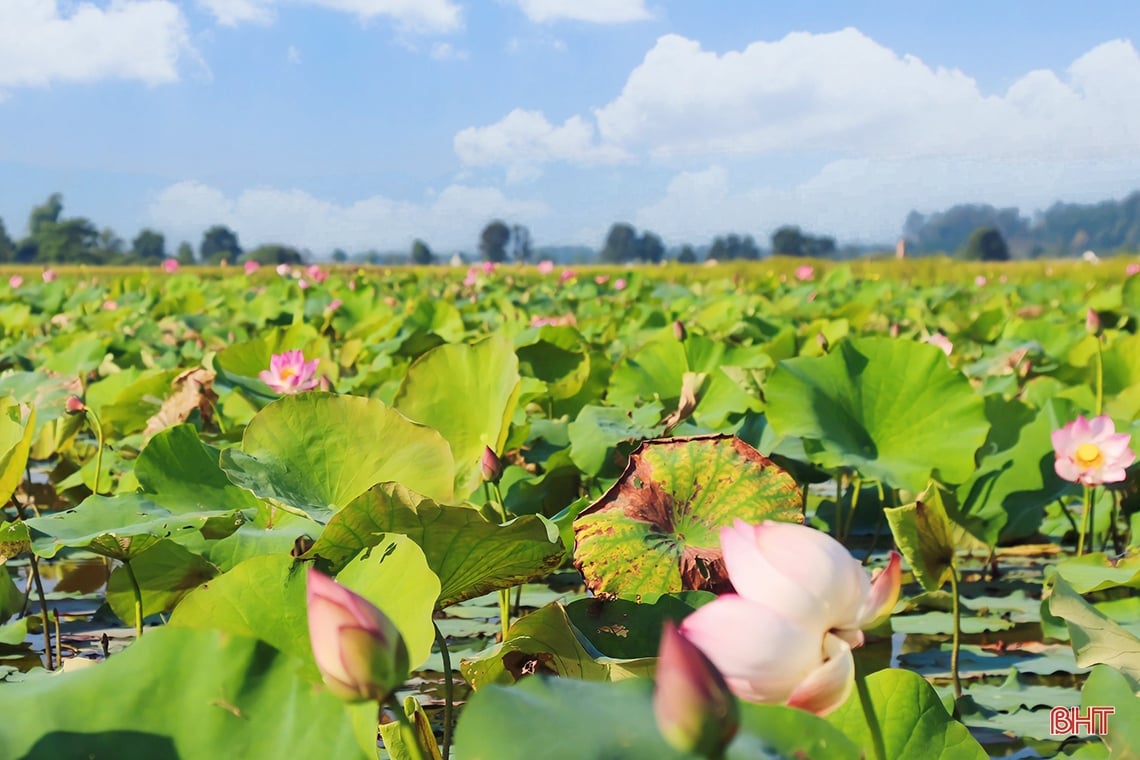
(884, 594)
(829, 685)
(1101, 426)
(1066, 470)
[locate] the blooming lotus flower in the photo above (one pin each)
(251, 266)
(804, 273)
(15, 281)
(488, 267)
(49, 275)
(1091, 452)
(802, 603)
(567, 274)
(601, 279)
(170, 266)
(620, 283)
(695, 710)
(303, 284)
(290, 373)
(316, 274)
(941, 341)
(359, 651)
(334, 304)
(546, 266)
(1132, 269)
(980, 280)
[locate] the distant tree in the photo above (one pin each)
(493, 241)
(621, 244)
(68, 240)
(185, 254)
(149, 246)
(687, 255)
(110, 248)
(339, 255)
(219, 242)
(748, 248)
(985, 244)
(274, 253)
(650, 248)
(788, 241)
(718, 251)
(421, 254)
(520, 242)
(819, 247)
(7, 245)
(45, 214)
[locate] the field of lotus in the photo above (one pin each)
(780, 510)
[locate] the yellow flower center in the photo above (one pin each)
(288, 372)
(1089, 455)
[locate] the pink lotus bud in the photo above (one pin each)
(359, 651)
(940, 341)
(251, 266)
(170, 266)
(334, 304)
(491, 466)
(75, 405)
(15, 281)
(1091, 452)
(567, 274)
(49, 275)
(1092, 322)
(695, 710)
(620, 283)
(679, 331)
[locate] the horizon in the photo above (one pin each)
(365, 124)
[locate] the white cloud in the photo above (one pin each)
(592, 11)
(449, 220)
(445, 51)
(293, 55)
(40, 44)
(415, 15)
(522, 140)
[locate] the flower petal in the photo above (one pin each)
(884, 594)
(829, 685)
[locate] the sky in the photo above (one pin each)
(365, 124)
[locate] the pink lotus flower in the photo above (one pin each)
(15, 281)
(316, 274)
(941, 341)
(251, 266)
(1132, 269)
(1091, 452)
(1092, 322)
(284, 270)
(546, 266)
(980, 280)
(303, 284)
(490, 465)
(289, 373)
(695, 710)
(75, 405)
(567, 274)
(620, 283)
(334, 304)
(110, 305)
(472, 277)
(358, 649)
(49, 275)
(801, 603)
(601, 279)
(488, 267)
(804, 273)
(170, 266)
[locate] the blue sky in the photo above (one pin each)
(363, 124)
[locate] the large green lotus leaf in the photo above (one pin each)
(929, 538)
(468, 394)
(125, 401)
(14, 540)
(17, 426)
(559, 358)
(181, 472)
(1106, 687)
(1122, 365)
(892, 409)
(1096, 639)
(599, 432)
(911, 718)
(657, 530)
(264, 597)
(628, 628)
(122, 527)
(186, 694)
(48, 395)
(545, 641)
(76, 354)
(166, 572)
(622, 725)
(11, 598)
(316, 452)
(1011, 486)
(470, 555)
(1098, 571)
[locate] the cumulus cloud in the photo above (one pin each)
(592, 11)
(40, 43)
(445, 51)
(417, 15)
(448, 220)
(522, 140)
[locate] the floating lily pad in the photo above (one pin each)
(657, 530)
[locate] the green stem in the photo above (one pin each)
(43, 611)
(856, 487)
(448, 690)
(873, 727)
(504, 594)
(138, 597)
(1086, 517)
(1099, 378)
(411, 738)
(956, 643)
(1069, 514)
(97, 427)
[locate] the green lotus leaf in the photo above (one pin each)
(894, 410)
(657, 530)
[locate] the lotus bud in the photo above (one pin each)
(359, 651)
(679, 330)
(1092, 322)
(695, 710)
(491, 466)
(75, 405)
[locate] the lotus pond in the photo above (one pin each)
(522, 478)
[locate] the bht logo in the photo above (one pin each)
(1066, 721)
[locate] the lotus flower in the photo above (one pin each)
(620, 283)
(170, 266)
(316, 274)
(804, 273)
(251, 266)
(488, 267)
(358, 650)
(546, 266)
(695, 710)
(802, 603)
(49, 275)
(941, 341)
(567, 274)
(1132, 269)
(1091, 452)
(491, 466)
(290, 373)
(15, 281)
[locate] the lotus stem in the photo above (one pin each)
(956, 642)
(856, 486)
(96, 427)
(1099, 377)
(138, 598)
(1068, 514)
(411, 738)
(37, 581)
(1086, 520)
(877, 744)
(448, 690)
